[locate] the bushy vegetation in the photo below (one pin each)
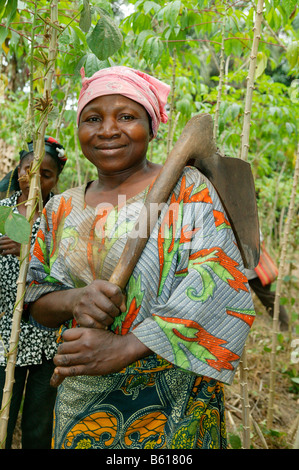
(198, 47)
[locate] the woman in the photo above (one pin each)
(36, 347)
(143, 368)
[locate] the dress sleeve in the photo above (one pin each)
(203, 311)
(41, 278)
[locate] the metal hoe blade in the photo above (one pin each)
(232, 178)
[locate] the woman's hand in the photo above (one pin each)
(9, 247)
(97, 305)
(88, 351)
(92, 306)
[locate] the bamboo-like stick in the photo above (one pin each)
(296, 433)
(221, 77)
(171, 103)
(59, 119)
(244, 156)
(259, 433)
(174, 127)
(281, 271)
(25, 248)
(250, 80)
(272, 216)
(243, 362)
(77, 159)
(245, 400)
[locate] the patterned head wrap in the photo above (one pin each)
(146, 90)
(54, 148)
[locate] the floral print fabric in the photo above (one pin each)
(187, 299)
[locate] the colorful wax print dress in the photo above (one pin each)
(188, 300)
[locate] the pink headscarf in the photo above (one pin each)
(146, 90)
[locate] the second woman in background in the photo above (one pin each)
(36, 347)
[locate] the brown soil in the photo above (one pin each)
(282, 433)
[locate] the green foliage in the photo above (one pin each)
(105, 39)
(14, 225)
(182, 37)
(179, 42)
(234, 441)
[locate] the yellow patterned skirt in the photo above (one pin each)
(149, 405)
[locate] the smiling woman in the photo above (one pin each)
(114, 133)
(142, 368)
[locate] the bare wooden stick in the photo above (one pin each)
(25, 248)
(244, 156)
(245, 400)
(59, 119)
(77, 160)
(259, 432)
(221, 77)
(281, 271)
(171, 103)
(250, 80)
(296, 432)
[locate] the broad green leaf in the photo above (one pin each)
(153, 49)
(289, 6)
(261, 64)
(170, 12)
(140, 22)
(3, 33)
(148, 6)
(80, 34)
(65, 38)
(10, 11)
(85, 17)
(17, 228)
(231, 112)
(105, 39)
(2, 6)
(235, 441)
(184, 106)
(93, 64)
(4, 213)
(294, 91)
(142, 37)
(293, 53)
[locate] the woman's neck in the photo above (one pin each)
(128, 183)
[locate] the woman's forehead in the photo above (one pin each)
(48, 161)
(114, 101)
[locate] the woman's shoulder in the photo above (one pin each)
(10, 200)
(69, 196)
(192, 175)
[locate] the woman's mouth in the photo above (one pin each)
(109, 147)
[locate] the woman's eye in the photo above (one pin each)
(93, 119)
(127, 117)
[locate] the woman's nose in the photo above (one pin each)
(108, 128)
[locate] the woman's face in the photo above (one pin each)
(114, 133)
(48, 175)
